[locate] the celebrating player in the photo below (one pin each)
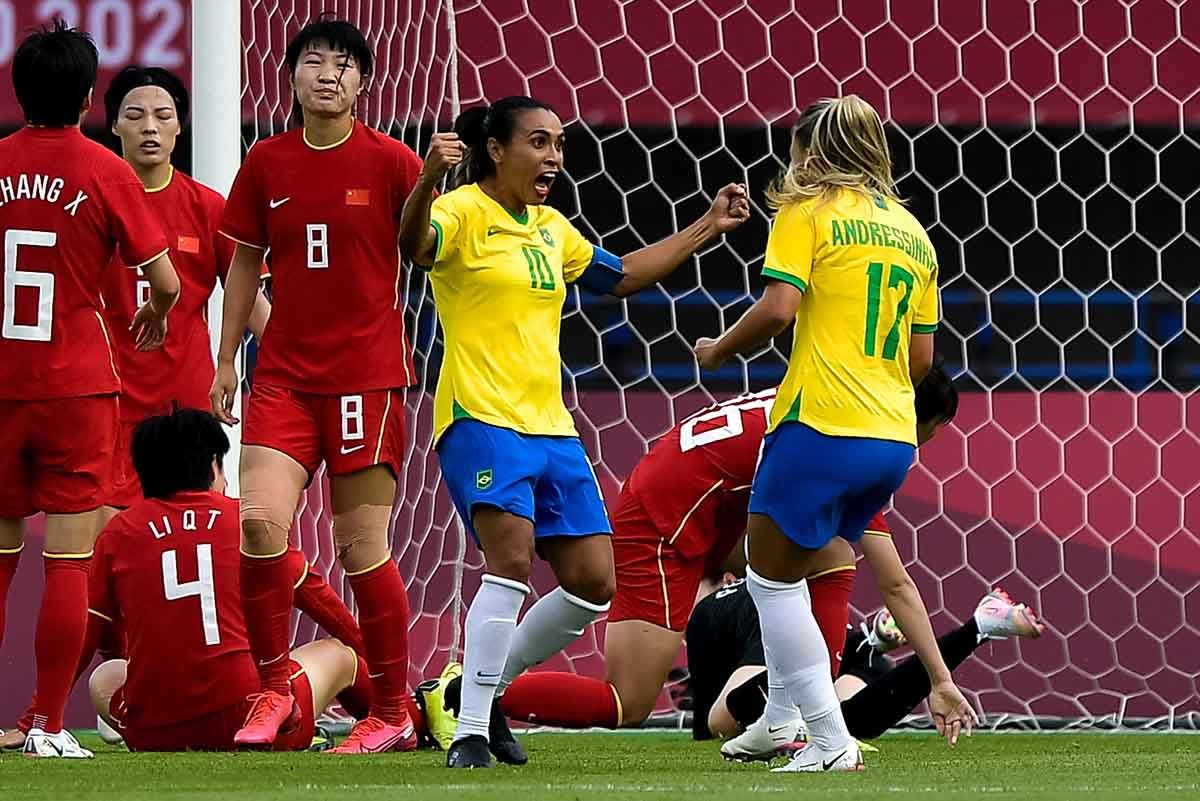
(512, 461)
(728, 677)
(66, 206)
(680, 513)
(146, 107)
(325, 199)
(857, 273)
(166, 574)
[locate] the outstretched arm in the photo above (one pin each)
(767, 318)
(418, 238)
(651, 264)
(950, 709)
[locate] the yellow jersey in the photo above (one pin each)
(869, 277)
(499, 283)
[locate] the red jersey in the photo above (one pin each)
(166, 571)
(66, 205)
(330, 218)
(182, 369)
(695, 482)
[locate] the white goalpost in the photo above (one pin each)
(1049, 155)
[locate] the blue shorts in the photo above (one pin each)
(547, 480)
(816, 487)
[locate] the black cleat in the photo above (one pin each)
(501, 741)
(469, 752)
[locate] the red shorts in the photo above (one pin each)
(655, 582)
(126, 488)
(215, 731)
(348, 432)
(56, 455)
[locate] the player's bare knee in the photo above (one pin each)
(361, 536)
(595, 584)
(263, 537)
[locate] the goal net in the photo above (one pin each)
(1050, 149)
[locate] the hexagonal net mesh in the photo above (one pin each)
(1050, 149)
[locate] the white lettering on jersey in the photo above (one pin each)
(73, 206)
(187, 522)
(36, 187)
(730, 415)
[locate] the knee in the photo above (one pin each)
(507, 543)
(361, 536)
(262, 537)
(513, 564)
(594, 584)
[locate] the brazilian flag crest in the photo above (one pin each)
(483, 479)
(549, 240)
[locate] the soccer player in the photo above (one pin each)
(146, 108)
(66, 205)
(728, 676)
(167, 575)
(325, 199)
(857, 273)
(681, 512)
(514, 466)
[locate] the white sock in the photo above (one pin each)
(550, 625)
(491, 621)
(797, 650)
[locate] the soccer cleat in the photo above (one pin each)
(270, 713)
(501, 741)
(998, 617)
(322, 740)
(814, 759)
(373, 736)
(440, 720)
(469, 752)
(62, 745)
(504, 746)
(883, 634)
(761, 741)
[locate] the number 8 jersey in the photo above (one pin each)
(329, 218)
(66, 205)
(869, 277)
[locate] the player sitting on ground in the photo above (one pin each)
(68, 205)
(167, 575)
(680, 513)
(728, 675)
(146, 108)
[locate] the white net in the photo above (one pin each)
(1050, 149)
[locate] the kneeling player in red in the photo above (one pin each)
(681, 512)
(325, 198)
(166, 574)
(146, 109)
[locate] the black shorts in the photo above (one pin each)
(722, 636)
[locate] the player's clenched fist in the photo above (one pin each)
(730, 209)
(445, 151)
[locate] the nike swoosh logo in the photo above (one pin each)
(346, 450)
(277, 203)
(775, 730)
(479, 674)
(829, 764)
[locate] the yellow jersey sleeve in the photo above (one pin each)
(929, 311)
(446, 216)
(790, 246)
(576, 252)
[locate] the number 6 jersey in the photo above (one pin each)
(66, 205)
(329, 218)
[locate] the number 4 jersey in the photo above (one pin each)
(869, 277)
(66, 205)
(175, 562)
(329, 218)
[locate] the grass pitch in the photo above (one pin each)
(1030, 767)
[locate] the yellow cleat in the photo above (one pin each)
(440, 721)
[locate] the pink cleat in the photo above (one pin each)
(270, 713)
(372, 736)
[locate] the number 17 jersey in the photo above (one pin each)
(329, 219)
(869, 277)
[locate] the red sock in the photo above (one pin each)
(830, 594)
(356, 699)
(8, 568)
(58, 641)
(315, 598)
(267, 605)
(383, 619)
(562, 699)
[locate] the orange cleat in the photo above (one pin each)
(270, 713)
(372, 736)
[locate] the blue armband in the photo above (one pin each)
(603, 274)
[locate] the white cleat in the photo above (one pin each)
(62, 745)
(813, 759)
(998, 617)
(761, 742)
(883, 634)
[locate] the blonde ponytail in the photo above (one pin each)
(838, 143)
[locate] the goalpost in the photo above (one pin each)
(1048, 149)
